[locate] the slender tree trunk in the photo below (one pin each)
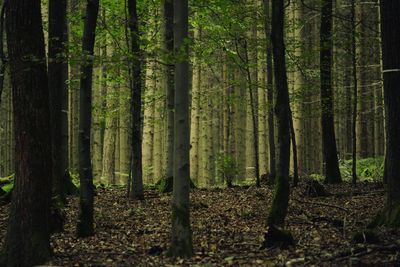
(195, 150)
(98, 117)
(332, 173)
(73, 111)
(168, 42)
(355, 92)
(181, 242)
(27, 240)
(136, 191)
(85, 225)
(294, 145)
(270, 95)
(280, 201)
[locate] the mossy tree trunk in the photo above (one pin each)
(27, 240)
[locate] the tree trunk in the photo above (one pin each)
(355, 93)
(85, 225)
(332, 173)
(136, 191)
(280, 201)
(58, 75)
(181, 242)
(27, 240)
(195, 150)
(270, 94)
(390, 32)
(168, 42)
(73, 111)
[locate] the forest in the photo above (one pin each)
(199, 133)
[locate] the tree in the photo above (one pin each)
(181, 242)
(85, 221)
(136, 104)
(27, 241)
(58, 75)
(332, 172)
(168, 84)
(270, 94)
(390, 34)
(279, 206)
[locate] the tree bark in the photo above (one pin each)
(270, 95)
(332, 173)
(390, 33)
(136, 191)
(85, 225)
(181, 242)
(27, 240)
(280, 201)
(58, 75)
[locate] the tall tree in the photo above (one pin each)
(168, 44)
(181, 242)
(58, 75)
(85, 221)
(277, 213)
(390, 32)
(332, 172)
(136, 191)
(270, 94)
(355, 92)
(27, 240)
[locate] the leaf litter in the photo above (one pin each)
(228, 227)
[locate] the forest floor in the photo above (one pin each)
(228, 229)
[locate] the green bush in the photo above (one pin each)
(227, 168)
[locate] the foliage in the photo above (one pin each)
(227, 167)
(369, 169)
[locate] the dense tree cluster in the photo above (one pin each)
(179, 94)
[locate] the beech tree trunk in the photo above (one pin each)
(280, 201)
(270, 94)
(181, 234)
(332, 173)
(58, 75)
(136, 191)
(390, 32)
(85, 225)
(27, 241)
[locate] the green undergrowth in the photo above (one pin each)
(6, 188)
(368, 170)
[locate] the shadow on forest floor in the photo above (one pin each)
(228, 228)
